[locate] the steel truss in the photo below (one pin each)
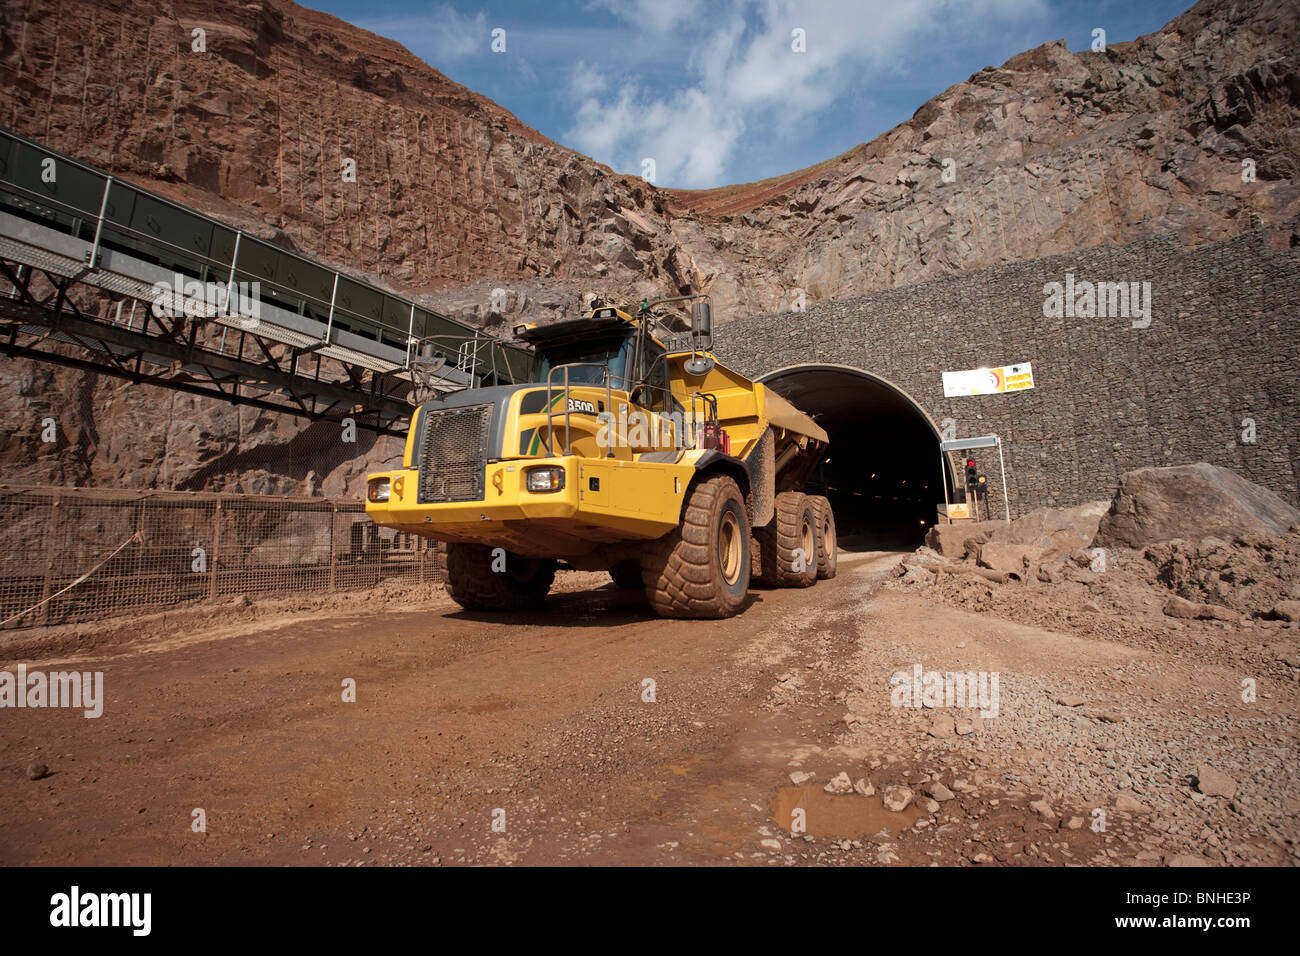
(153, 348)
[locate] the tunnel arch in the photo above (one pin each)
(880, 469)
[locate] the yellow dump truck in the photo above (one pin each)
(634, 451)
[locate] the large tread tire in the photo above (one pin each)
(701, 569)
(468, 576)
(793, 527)
(627, 575)
(827, 542)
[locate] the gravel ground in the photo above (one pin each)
(737, 759)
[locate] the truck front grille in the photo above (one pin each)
(454, 454)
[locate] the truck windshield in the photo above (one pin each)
(614, 351)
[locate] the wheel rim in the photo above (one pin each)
(729, 547)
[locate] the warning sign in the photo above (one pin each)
(1017, 377)
(988, 381)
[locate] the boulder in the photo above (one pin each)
(1215, 783)
(1286, 611)
(918, 576)
(1129, 804)
(943, 726)
(1043, 809)
(896, 799)
(1181, 608)
(954, 541)
(1054, 532)
(1042, 535)
(1192, 610)
(1216, 612)
(1189, 501)
(1012, 558)
(938, 791)
(839, 784)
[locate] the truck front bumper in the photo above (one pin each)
(601, 502)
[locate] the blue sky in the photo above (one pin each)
(712, 90)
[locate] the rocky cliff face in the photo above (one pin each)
(449, 187)
(1051, 152)
(453, 196)
(65, 427)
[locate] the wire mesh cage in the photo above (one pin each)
(71, 555)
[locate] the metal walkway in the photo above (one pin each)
(148, 290)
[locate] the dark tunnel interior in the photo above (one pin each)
(882, 471)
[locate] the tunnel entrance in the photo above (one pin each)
(881, 472)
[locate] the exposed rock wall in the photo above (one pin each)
(107, 433)
(449, 187)
(1053, 151)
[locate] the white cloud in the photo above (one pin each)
(586, 81)
(657, 16)
(456, 35)
(742, 79)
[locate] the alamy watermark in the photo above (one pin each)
(80, 690)
(638, 429)
(129, 910)
(1102, 300)
(213, 299)
(922, 688)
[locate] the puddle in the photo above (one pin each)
(839, 815)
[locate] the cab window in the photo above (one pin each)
(613, 351)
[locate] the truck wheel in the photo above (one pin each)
(474, 578)
(627, 574)
(701, 569)
(787, 545)
(827, 547)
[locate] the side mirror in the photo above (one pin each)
(699, 365)
(702, 323)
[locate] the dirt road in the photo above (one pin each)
(457, 715)
(531, 739)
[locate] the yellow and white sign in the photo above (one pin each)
(988, 381)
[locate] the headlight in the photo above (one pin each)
(377, 489)
(545, 479)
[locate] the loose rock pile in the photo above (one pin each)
(1193, 542)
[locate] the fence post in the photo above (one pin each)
(138, 576)
(334, 520)
(216, 550)
(48, 583)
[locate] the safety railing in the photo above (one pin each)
(550, 411)
(103, 213)
(706, 424)
(481, 357)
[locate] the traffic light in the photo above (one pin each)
(971, 474)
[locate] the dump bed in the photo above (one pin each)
(747, 409)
